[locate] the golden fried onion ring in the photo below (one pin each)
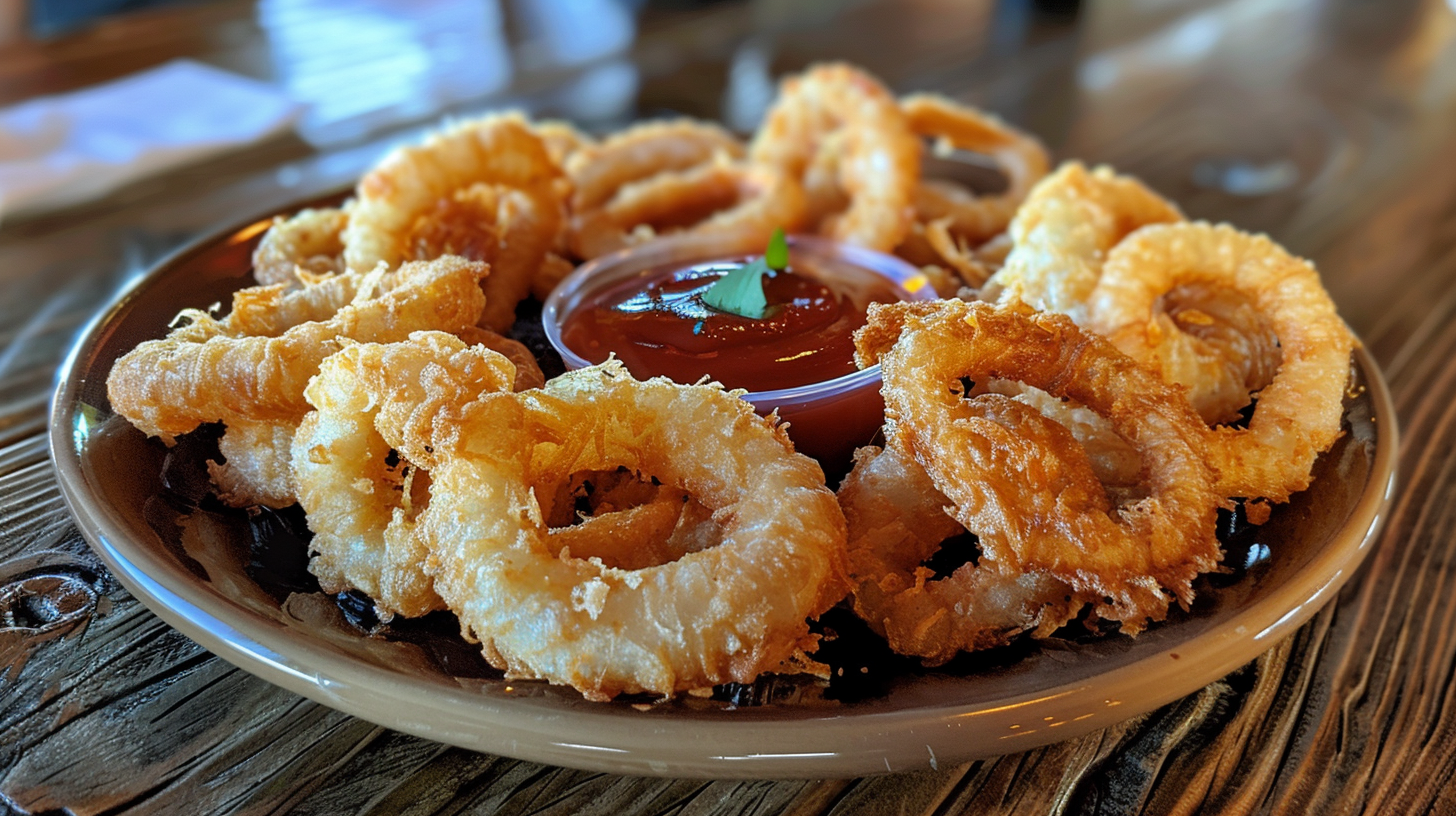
(306, 245)
(726, 613)
(354, 486)
(598, 171)
(985, 453)
(719, 197)
(897, 520)
(1298, 414)
(836, 127)
(1063, 232)
(973, 219)
(486, 189)
(676, 174)
(211, 371)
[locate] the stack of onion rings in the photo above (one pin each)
(249, 369)
(984, 452)
(363, 493)
(896, 521)
(719, 196)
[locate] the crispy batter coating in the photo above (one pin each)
(720, 196)
(645, 535)
(599, 171)
(967, 218)
(213, 370)
(363, 494)
(897, 520)
(255, 469)
(1116, 463)
(986, 452)
(839, 132)
(669, 176)
(725, 613)
(528, 369)
(1062, 233)
(306, 245)
(1299, 411)
(486, 189)
(562, 141)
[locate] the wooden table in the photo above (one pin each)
(1329, 125)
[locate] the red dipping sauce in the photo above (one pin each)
(645, 306)
(658, 324)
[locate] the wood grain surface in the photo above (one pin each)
(1329, 125)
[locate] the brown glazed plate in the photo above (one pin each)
(234, 582)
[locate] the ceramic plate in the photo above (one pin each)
(236, 586)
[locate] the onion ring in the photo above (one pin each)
(842, 125)
(597, 172)
(1298, 414)
(204, 373)
(897, 520)
(358, 493)
(485, 189)
(270, 310)
(724, 614)
(1128, 557)
(308, 244)
(973, 218)
(1064, 230)
(718, 197)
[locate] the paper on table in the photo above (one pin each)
(60, 150)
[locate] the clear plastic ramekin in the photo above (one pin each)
(827, 420)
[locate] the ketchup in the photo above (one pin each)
(657, 324)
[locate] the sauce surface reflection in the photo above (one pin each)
(657, 324)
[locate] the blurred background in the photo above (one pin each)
(1289, 116)
(1261, 111)
(1068, 71)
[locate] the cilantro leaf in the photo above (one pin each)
(740, 292)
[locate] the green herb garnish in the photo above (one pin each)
(740, 292)
(777, 254)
